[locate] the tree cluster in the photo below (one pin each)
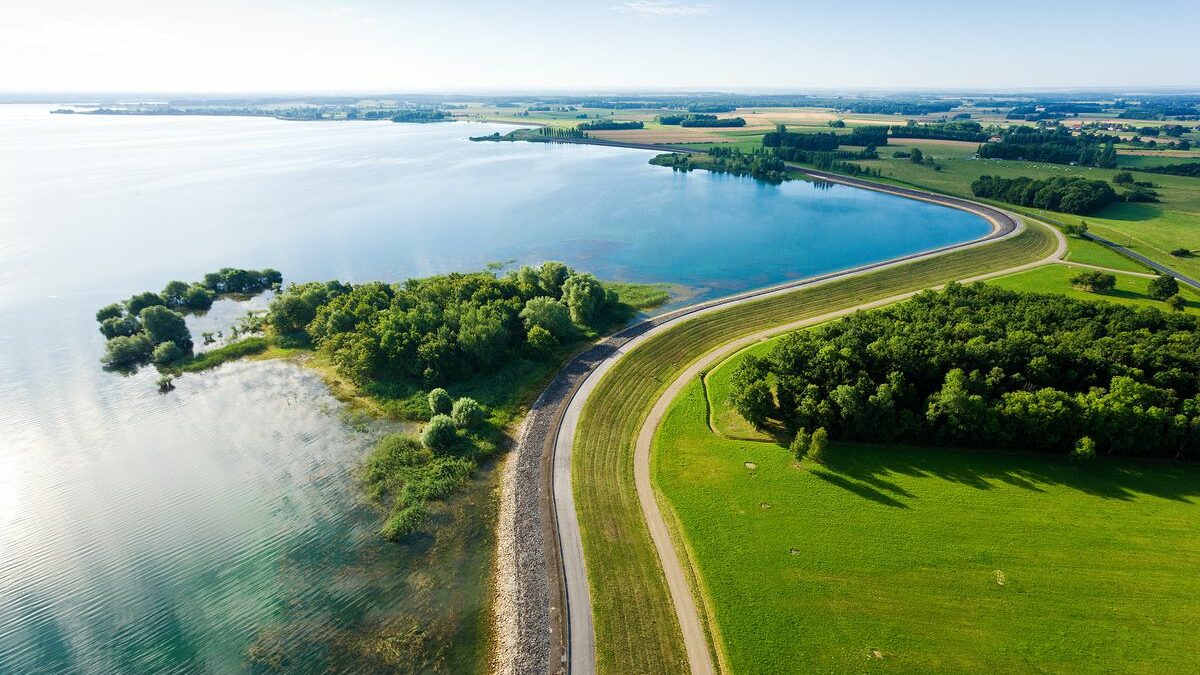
(1063, 194)
(442, 328)
(609, 125)
(1190, 169)
(979, 366)
(419, 115)
(1055, 147)
(951, 131)
(700, 120)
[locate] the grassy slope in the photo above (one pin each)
(1130, 290)
(636, 630)
(901, 550)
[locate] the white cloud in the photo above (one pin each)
(664, 8)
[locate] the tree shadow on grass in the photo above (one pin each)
(1131, 212)
(865, 470)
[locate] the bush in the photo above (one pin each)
(167, 352)
(1163, 286)
(440, 434)
(1123, 178)
(467, 413)
(440, 402)
(165, 325)
(800, 444)
(541, 342)
(112, 311)
(120, 325)
(1094, 281)
(818, 445)
(1182, 252)
(1074, 230)
(1084, 451)
(124, 350)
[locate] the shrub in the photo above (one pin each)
(1084, 451)
(818, 445)
(1123, 178)
(541, 341)
(440, 433)
(1094, 281)
(127, 350)
(800, 443)
(1163, 286)
(167, 352)
(467, 413)
(440, 402)
(1182, 252)
(1074, 230)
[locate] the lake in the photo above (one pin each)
(217, 527)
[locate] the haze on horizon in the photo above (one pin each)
(317, 46)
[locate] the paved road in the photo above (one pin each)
(580, 376)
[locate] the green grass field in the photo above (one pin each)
(896, 559)
(1130, 290)
(636, 630)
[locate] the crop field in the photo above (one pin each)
(914, 560)
(636, 630)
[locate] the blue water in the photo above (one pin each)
(217, 528)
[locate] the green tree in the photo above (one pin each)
(1094, 281)
(141, 301)
(112, 311)
(173, 293)
(167, 352)
(916, 156)
(198, 297)
(467, 413)
(440, 433)
(553, 275)
(120, 325)
(755, 402)
(585, 298)
(1163, 286)
(1074, 230)
(549, 314)
(1084, 451)
(541, 341)
(164, 325)
(123, 351)
(800, 443)
(440, 402)
(1123, 178)
(818, 445)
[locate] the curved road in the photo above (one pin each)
(572, 633)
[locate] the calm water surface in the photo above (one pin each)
(217, 528)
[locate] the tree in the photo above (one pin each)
(141, 301)
(1176, 303)
(818, 445)
(164, 325)
(547, 313)
(755, 402)
(1123, 178)
(553, 274)
(112, 311)
(1094, 281)
(1163, 286)
(198, 297)
(467, 414)
(120, 325)
(916, 156)
(440, 433)
(173, 293)
(541, 341)
(585, 297)
(1071, 229)
(800, 444)
(167, 352)
(1084, 451)
(123, 351)
(440, 402)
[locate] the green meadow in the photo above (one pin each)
(897, 559)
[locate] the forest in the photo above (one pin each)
(699, 120)
(951, 131)
(1055, 147)
(977, 366)
(609, 125)
(1191, 169)
(1067, 195)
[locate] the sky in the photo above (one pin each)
(376, 46)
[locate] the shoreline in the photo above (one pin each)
(547, 624)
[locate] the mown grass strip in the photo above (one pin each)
(635, 624)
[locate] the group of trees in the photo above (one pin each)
(148, 327)
(701, 120)
(609, 125)
(442, 328)
(758, 163)
(980, 366)
(561, 132)
(420, 115)
(872, 136)
(1059, 146)
(952, 131)
(1190, 169)
(1067, 195)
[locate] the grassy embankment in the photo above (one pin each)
(636, 630)
(915, 560)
